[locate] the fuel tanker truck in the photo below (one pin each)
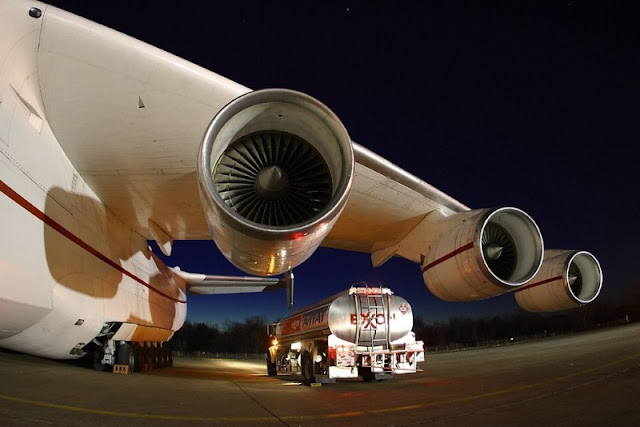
(361, 332)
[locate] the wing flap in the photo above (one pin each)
(206, 284)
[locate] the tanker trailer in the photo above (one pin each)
(361, 332)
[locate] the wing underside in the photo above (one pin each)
(133, 116)
(206, 284)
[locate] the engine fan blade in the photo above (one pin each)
(273, 178)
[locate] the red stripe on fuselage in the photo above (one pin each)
(4, 188)
(533, 285)
(449, 255)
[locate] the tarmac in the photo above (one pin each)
(591, 378)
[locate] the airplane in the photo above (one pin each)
(108, 143)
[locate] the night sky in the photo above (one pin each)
(525, 104)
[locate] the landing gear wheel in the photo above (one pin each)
(138, 351)
(126, 356)
(307, 370)
(96, 360)
(166, 357)
(146, 359)
(155, 357)
(271, 366)
(163, 357)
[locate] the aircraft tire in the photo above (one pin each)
(96, 360)
(165, 357)
(126, 356)
(138, 351)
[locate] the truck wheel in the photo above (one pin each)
(307, 370)
(271, 370)
(366, 374)
(271, 367)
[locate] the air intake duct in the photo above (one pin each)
(482, 253)
(566, 279)
(275, 170)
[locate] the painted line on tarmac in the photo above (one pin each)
(130, 414)
(309, 417)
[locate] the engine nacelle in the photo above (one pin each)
(483, 253)
(566, 279)
(275, 170)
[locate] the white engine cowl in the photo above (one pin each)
(566, 279)
(275, 170)
(482, 253)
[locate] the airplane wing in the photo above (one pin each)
(386, 203)
(178, 152)
(131, 119)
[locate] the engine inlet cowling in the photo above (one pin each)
(566, 279)
(275, 170)
(483, 253)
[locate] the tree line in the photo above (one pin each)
(250, 336)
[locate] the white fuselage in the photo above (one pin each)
(67, 264)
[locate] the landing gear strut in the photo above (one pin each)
(137, 356)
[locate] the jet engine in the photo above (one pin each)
(566, 279)
(275, 170)
(482, 253)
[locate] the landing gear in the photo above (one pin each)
(166, 357)
(102, 354)
(149, 358)
(96, 359)
(126, 356)
(105, 354)
(139, 357)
